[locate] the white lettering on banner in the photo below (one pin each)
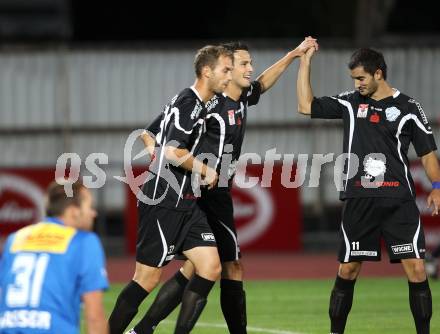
(26, 319)
(11, 212)
(363, 253)
(24, 188)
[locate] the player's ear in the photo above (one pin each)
(72, 214)
(378, 75)
(206, 71)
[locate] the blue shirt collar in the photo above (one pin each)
(53, 220)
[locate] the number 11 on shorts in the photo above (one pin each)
(355, 245)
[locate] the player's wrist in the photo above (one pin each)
(436, 185)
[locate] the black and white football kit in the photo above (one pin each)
(378, 189)
(171, 222)
(226, 124)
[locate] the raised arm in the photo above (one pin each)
(432, 169)
(303, 87)
(270, 76)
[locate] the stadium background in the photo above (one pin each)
(79, 76)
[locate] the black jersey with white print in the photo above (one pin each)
(377, 135)
(226, 125)
(181, 124)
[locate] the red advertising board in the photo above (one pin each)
(267, 218)
(22, 196)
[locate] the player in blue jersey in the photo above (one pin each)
(47, 269)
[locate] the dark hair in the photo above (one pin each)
(208, 56)
(57, 200)
(235, 46)
(370, 59)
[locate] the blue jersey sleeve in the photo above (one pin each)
(4, 259)
(92, 273)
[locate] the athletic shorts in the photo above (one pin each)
(365, 221)
(217, 205)
(164, 232)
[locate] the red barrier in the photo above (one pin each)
(268, 219)
(22, 196)
(431, 224)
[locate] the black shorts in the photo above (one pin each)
(365, 221)
(164, 232)
(217, 204)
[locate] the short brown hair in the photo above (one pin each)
(370, 59)
(57, 200)
(208, 56)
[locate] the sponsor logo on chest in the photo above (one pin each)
(362, 111)
(231, 117)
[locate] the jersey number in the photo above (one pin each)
(29, 270)
(355, 245)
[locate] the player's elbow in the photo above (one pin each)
(176, 156)
(304, 108)
(170, 153)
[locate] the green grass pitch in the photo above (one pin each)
(300, 307)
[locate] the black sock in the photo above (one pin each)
(126, 307)
(341, 300)
(193, 302)
(233, 303)
(167, 299)
(420, 301)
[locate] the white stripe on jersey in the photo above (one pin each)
(164, 245)
(201, 121)
(159, 137)
(176, 113)
(222, 135)
(416, 237)
(347, 243)
(399, 144)
(350, 139)
(233, 237)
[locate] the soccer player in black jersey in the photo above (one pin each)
(380, 122)
(226, 123)
(170, 221)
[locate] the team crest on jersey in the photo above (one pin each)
(231, 117)
(392, 114)
(362, 111)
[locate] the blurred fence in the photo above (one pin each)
(89, 101)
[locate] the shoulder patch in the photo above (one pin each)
(348, 92)
(197, 109)
(211, 104)
(420, 109)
